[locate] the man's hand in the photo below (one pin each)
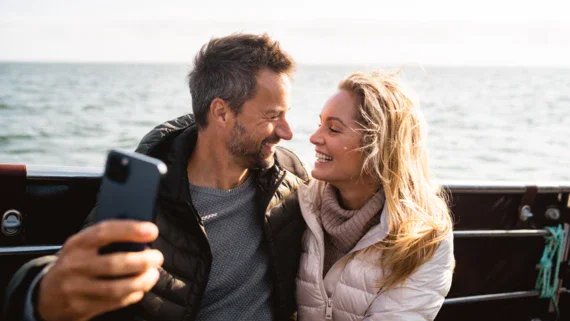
(82, 283)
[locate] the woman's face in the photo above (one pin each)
(337, 140)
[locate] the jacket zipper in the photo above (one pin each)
(328, 300)
(268, 235)
(200, 222)
(328, 311)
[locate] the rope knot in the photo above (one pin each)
(549, 266)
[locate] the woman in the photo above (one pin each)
(379, 242)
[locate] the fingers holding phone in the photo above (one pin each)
(83, 283)
(108, 265)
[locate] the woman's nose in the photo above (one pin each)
(316, 138)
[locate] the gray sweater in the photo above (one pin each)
(239, 285)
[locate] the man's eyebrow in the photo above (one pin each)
(337, 119)
(278, 110)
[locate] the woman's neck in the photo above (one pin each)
(353, 196)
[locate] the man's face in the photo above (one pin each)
(261, 124)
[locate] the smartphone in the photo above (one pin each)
(129, 189)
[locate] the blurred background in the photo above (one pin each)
(78, 78)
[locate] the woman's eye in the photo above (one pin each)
(334, 130)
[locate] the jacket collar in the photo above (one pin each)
(175, 184)
(376, 233)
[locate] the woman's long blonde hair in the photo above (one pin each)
(393, 142)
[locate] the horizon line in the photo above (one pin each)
(387, 64)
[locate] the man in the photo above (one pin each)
(227, 237)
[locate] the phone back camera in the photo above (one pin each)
(117, 168)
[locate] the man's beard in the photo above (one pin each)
(243, 147)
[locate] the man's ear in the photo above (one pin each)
(220, 112)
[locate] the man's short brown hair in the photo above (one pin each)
(226, 68)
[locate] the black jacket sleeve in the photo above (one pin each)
(19, 286)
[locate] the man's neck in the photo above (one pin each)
(211, 165)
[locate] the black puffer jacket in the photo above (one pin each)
(187, 256)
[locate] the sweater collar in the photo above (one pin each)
(346, 227)
(310, 199)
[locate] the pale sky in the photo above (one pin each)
(428, 32)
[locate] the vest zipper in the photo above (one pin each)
(328, 312)
(328, 300)
(329, 304)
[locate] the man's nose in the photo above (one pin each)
(284, 130)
